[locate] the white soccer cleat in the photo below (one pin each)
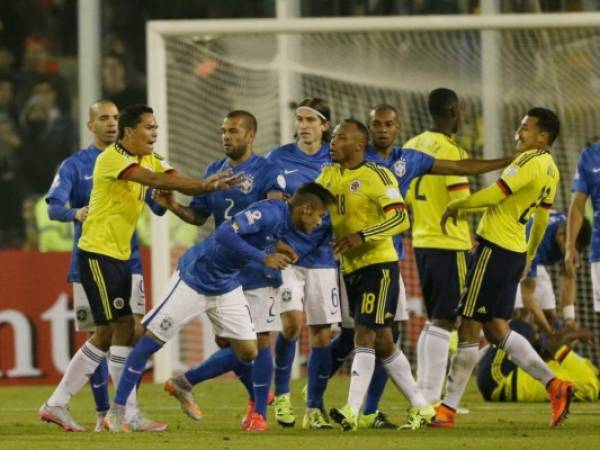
(61, 416)
(100, 415)
(141, 423)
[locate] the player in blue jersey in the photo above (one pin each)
(586, 183)
(310, 286)
(535, 295)
(207, 280)
(262, 180)
(68, 200)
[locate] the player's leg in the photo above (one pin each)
(544, 294)
(342, 344)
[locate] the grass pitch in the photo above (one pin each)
(487, 426)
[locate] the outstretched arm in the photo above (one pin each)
(468, 166)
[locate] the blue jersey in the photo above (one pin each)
(587, 181)
(212, 266)
(261, 177)
(298, 168)
(548, 252)
(73, 184)
(406, 165)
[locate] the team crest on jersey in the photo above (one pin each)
(354, 185)
(166, 323)
(253, 216)
(400, 167)
(246, 184)
(119, 303)
(286, 295)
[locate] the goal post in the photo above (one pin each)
(198, 70)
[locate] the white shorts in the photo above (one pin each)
(595, 269)
(314, 291)
(83, 314)
(544, 291)
(401, 308)
(264, 308)
(229, 313)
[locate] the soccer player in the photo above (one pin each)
(262, 180)
(122, 174)
(68, 201)
(585, 184)
(368, 212)
(310, 285)
(535, 295)
(527, 186)
(207, 280)
(405, 164)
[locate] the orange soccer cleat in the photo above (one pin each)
(561, 394)
(444, 417)
(257, 423)
(248, 416)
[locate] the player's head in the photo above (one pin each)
(103, 122)
(313, 118)
(348, 143)
(582, 241)
(445, 107)
(137, 129)
(538, 130)
(309, 205)
(384, 126)
(238, 133)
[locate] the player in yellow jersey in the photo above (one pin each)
(368, 212)
(122, 174)
(526, 186)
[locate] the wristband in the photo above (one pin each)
(568, 312)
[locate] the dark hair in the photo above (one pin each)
(312, 193)
(361, 127)
(547, 121)
(440, 101)
(131, 115)
(321, 106)
(584, 236)
(247, 116)
(382, 107)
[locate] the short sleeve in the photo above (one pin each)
(113, 165)
(275, 180)
(517, 175)
(160, 165)
(453, 152)
(580, 181)
(384, 189)
(63, 183)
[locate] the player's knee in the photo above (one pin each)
(291, 330)
(263, 340)
(364, 337)
(101, 338)
(320, 335)
(469, 331)
(247, 353)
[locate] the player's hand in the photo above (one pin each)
(570, 324)
(525, 270)
(449, 213)
(346, 243)
(224, 180)
(572, 261)
(277, 261)
(81, 214)
(164, 199)
(287, 249)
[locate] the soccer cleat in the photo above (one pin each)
(61, 416)
(141, 423)
(271, 398)
(314, 420)
(115, 419)
(444, 417)
(100, 415)
(257, 423)
(179, 388)
(376, 420)
(284, 414)
(561, 394)
(248, 416)
(418, 417)
(346, 417)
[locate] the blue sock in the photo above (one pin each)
(319, 370)
(99, 385)
(220, 362)
(262, 375)
(341, 346)
(243, 370)
(376, 388)
(134, 367)
(285, 351)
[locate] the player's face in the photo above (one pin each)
(142, 137)
(310, 127)
(311, 217)
(104, 123)
(343, 143)
(384, 127)
(529, 136)
(237, 139)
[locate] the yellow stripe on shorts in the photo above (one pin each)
(99, 279)
(461, 265)
(383, 290)
(475, 286)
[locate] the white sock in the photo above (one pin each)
(362, 369)
(116, 363)
(460, 372)
(78, 373)
(398, 368)
(522, 353)
(434, 344)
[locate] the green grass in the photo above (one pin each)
(488, 426)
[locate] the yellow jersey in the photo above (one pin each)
(115, 203)
(365, 196)
(429, 195)
(529, 182)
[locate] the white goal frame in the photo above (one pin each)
(157, 31)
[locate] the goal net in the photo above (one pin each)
(200, 70)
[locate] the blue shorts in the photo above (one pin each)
(442, 277)
(492, 282)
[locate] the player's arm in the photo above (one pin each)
(467, 166)
(154, 206)
(166, 199)
(59, 194)
(528, 294)
(568, 289)
(574, 222)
